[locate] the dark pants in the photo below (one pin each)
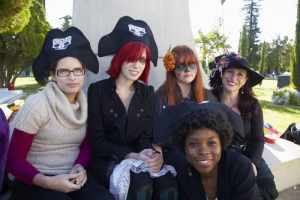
(265, 182)
(91, 190)
(142, 186)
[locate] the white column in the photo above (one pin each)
(169, 21)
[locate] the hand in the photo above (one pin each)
(146, 154)
(254, 169)
(59, 183)
(82, 178)
(153, 158)
(155, 162)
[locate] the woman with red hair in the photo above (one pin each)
(183, 79)
(183, 84)
(121, 117)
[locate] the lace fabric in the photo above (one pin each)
(120, 178)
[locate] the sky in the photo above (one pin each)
(277, 17)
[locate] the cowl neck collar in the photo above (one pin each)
(72, 116)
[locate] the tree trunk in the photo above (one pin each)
(2, 55)
(295, 79)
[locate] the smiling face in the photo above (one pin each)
(203, 151)
(70, 85)
(233, 79)
(133, 70)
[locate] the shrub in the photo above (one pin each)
(286, 96)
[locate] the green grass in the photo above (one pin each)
(277, 115)
(28, 85)
(280, 117)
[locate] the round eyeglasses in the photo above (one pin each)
(66, 72)
(185, 68)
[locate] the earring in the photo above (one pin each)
(243, 90)
(221, 85)
(189, 170)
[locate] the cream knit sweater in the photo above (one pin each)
(59, 128)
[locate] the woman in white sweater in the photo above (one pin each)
(50, 149)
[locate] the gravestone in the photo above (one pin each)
(283, 80)
(168, 20)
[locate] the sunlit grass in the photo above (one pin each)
(279, 116)
(28, 85)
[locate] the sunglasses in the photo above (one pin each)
(185, 68)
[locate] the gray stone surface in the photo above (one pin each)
(292, 193)
(283, 158)
(168, 20)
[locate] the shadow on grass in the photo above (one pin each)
(293, 110)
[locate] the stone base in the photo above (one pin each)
(283, 158)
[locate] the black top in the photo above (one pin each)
(254, 136)
(160, 102)
(235, 180)
(254, 130)
(114, 134)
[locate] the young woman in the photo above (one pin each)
(49, 149)
(183, 84)
(213, 172)
(121, 112)
(183, 79)
(232, 81)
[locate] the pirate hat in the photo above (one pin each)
(233, 60)
(59, 44)
(127, 30)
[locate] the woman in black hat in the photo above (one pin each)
(183, 84)
(231, 81)
(121, 116)
(49, 149)
(213, 171)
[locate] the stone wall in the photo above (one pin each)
(169, 21)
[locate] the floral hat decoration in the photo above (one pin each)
(169, 60)
(233, 60)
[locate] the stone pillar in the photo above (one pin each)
(169, 21)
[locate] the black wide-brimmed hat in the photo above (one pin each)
(127, 30)
(233, 60)
(59, 44)
(165, 123)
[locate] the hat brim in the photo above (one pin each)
(165, 123)
(82, 51)
(111, 43)
(254, 78)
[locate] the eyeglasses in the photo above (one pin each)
(66, 72)
(185, 68)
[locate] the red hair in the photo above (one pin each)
(130, 52)
(187, 56)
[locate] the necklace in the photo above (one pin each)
(124, 102)
(231, 107)
(188, 96)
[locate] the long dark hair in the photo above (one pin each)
(248, 104)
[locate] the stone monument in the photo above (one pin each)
(169, 21)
